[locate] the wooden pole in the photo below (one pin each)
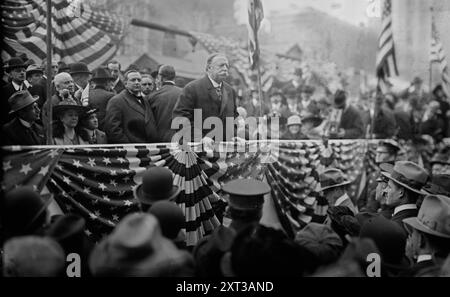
(49, 134)
(258, 68)
(431, 60)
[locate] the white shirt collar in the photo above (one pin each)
(404, 207)
(341, 199)
(214, 83)
(422, 258)
(116, 82)
(20, 88)
(25, 123)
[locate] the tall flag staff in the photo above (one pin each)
(48, 71)
(437, 55)
(255, 17)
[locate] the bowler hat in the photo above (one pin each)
(136, 247)
(439, 185)
(332, 177)
(101, 73)
(78, 67)
(21, 99)
(24, 211)
(433, 217)
(294, 120)
(14, 63)
(246, 194)
(68, 104)
(33, 68)
(157, 184)
(33, 256)
(170, 216)
(409, 175)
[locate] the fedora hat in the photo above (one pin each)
(439, 185)
(294, 120)
(88, 111)
(332, 177)
(33, 68)
(136, 247)
(101, 73)
(14, 63)
(21, 99)
(246, 194)
(68, 104)
(433, 217)
(157, 184)
(78, 67)
(409, 175)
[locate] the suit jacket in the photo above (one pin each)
(352, 123)
(39, 90)
(119, 87)
(162, 103)
(403, 214)
(98, 98)
(7, 91)
(14, 133)
(127, 121)
(201, 94)
(384, 124)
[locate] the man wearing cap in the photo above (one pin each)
(333, 185)
(129, 118)
(162, 102)
(16, 71)
(346, 121)
(101, 93)
(34, 75)
(81, 76)
(214, 97)
(429, 235)
(252, 106)
(404, 189)
(114, 67)
(23, 129)
(245, 203)
(293, 106)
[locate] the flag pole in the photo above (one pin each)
(257, 66)
(48, 71)
(431, 60)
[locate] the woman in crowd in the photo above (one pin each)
(90, 131)
(66, 130)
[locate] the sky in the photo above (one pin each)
(351, 11)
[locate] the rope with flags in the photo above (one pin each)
(386, 63)
(437, 55)
(80, 34)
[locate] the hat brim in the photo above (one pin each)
(416, 224)
(29, 72)
(58, 109)
(388, 175)
(78, 72)
(35, 98)
(150, 199)
(9, 68)
(336, 185)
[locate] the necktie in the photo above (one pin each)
(219, 93)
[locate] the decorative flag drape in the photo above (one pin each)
(80, 34)
(98, 182)
(386, 63)
(437, 55)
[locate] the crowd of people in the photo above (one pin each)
(403, 217)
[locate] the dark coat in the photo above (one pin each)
(384, 124)
(39, 90)
(7, 91)
(98, 98)
(162, 103)
(404, 214)
(127, 121)
(201, 94)
(424, 268)
(405, 125)
(352, 123)
(14, 133)
(119, 87)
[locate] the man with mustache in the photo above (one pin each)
(213, 96)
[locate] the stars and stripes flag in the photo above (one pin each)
(79, 33)
(437, 55)
(98, 182)
(255, 17)
(386, 63)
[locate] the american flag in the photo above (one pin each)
(386, 63)
(79, 34)
(255, 17)
(437, 55)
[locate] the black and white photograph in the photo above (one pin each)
(213, 141)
